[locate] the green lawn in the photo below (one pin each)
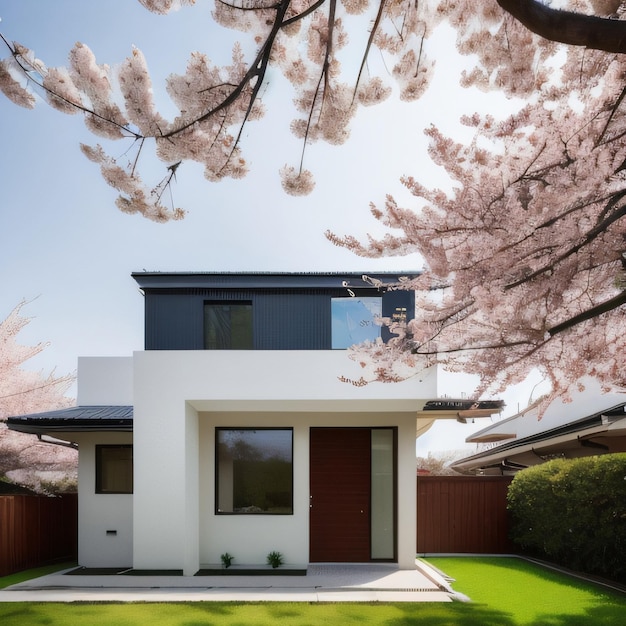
(13, 579)
(530, 594)
(503, 592)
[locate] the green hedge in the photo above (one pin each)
(573, 512)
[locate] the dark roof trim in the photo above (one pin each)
(445, 404)
(263, 280)
(75, 419)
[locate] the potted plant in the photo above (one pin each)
(227, 559)
(275, 559)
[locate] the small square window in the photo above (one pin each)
(114, 469)
(354, 321)
(228, 326)
(254, 471)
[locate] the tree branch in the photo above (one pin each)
(599, 309)
(257, 70)
(588, 238)
(470, 348)
(574, 29)
(370, 41)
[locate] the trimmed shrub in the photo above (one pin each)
(573, 512)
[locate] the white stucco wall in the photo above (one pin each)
(250, 538)
(179, 397)
(99, 513)
(105, 380)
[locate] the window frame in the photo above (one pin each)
(99, 448)
(219, 429)
(370, 323)
(229, 303)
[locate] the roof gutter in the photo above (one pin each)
(57, 442)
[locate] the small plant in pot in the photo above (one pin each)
(275, 559)
(227, 560)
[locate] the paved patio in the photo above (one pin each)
(323, 582)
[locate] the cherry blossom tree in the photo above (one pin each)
(523, 255)
(301, 38)
(438, 463)
(23, 458)
(525, 258)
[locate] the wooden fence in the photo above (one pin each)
(463, 514)
(454, 515)
(37, 530)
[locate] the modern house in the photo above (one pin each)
(234, 432)
(592, 423)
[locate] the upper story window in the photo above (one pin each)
(228, 325)
(353, 320)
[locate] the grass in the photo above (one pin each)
(250, 614)
(529, 594)
(13, 579)
(504, 592)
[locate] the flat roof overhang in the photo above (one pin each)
(120, 418)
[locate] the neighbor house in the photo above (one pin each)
(233, 430)
(592, 422)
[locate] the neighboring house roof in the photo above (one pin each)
(75, 419)
(599, 432)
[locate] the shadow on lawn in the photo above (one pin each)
(403, 614)
(462, 614)
(202, 613)
(458, 614)
(600, 615)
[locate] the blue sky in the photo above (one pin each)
(66, 248)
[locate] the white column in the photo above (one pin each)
(192, 493)
(407, 495)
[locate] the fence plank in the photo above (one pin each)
(37, 530)
(462, 514)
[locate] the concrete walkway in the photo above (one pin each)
(323, 583)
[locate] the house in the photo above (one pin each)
(592, 423)
(232, 431)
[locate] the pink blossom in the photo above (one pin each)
(296, 182)
(163, 7)
(12, 88)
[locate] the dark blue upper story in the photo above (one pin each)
(267, 311)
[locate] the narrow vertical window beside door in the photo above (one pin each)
(382, 494)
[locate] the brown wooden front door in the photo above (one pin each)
(340, 482)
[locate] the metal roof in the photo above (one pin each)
(75, 419)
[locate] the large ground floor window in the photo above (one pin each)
(254, 471)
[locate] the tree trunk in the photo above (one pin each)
(574, 29)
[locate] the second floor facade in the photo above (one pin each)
(269, 311)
